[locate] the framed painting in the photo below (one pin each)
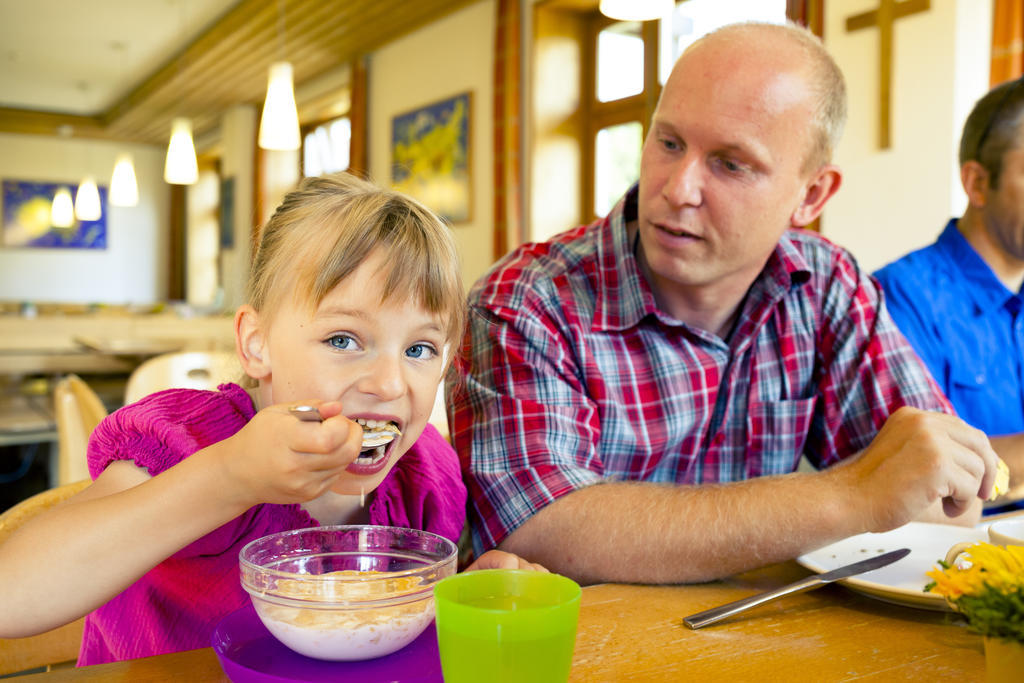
(430, 156)
(26, 214)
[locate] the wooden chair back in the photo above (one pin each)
(77, 410)
(61, 645)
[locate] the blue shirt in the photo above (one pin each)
(965, 325)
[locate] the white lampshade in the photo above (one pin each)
(181, 167)
(636, 10)
(87, 200)
(124, 189)
(279, 125)
(62, 211)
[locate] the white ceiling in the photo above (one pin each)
(82, 56)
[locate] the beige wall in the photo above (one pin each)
(899, 199)
(132, 269)
(451, 56)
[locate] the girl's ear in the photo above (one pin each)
(250, 343)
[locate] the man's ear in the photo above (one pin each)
(819, 189)
(975, 179)
(250, 343)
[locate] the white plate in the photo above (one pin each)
(903, 581)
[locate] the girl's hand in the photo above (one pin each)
(277, 458)
(499, 559)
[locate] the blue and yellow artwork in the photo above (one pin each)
(430, 156)
(27, 218)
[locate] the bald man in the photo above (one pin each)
(639, 391)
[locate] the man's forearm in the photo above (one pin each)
(664, 534)
(654, 533)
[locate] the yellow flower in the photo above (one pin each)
(953, 582)
(1003, 568)
(994, 566)
(989, 592)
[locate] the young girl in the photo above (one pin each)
(355, 305)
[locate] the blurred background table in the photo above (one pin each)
(103, 345)
(103, 341)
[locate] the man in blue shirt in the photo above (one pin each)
(959, 300)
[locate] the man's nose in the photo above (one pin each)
(684, 184)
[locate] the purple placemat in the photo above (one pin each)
(250, 654)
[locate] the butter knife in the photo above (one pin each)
(716, 614)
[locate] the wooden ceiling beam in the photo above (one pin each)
(226, 65)
(49, 123)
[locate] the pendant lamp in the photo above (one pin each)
(62, 211)
(87, 200)
(181, 167)
(636, 10)
(124, 188)
(279, 125)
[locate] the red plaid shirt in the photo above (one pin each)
(575, 377)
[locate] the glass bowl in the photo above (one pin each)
(346, 593)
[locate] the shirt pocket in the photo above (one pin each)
(776, 433)
(962, 377)
(980, 396)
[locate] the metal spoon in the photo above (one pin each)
(308, 413)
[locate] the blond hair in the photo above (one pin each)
(825, 79)
(326, 228)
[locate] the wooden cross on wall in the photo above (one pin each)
(887, 13)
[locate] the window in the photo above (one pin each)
(620, 61)
(620, 107)
(626, 55)
(326, 148)
(616, 163)
(595, 84)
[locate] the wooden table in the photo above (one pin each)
(634, 632)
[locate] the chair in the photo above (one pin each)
(54, 647)
(77, 410)
(186, 370)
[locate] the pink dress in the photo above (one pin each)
(177, 604)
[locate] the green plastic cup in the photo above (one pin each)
(507, 626)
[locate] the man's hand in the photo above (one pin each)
(499, 559)
(918, 459)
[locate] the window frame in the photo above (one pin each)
(597, 115)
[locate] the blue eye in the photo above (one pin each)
(420, 352)
(341, 341)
